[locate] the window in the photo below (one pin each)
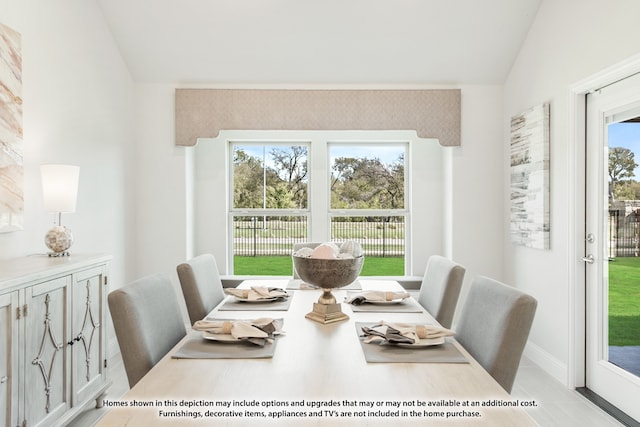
(269, 193)
(267, 176)
(241, 233)
(271, 207)
(368, 184)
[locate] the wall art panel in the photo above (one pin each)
(11, 165)
(530, 178)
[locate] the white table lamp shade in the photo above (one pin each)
(59, 187)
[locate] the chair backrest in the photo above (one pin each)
(148, 323)
(201, 285)
(494, 327)
(440, 288)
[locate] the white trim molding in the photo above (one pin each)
(546, 361)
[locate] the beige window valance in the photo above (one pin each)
(203, 113)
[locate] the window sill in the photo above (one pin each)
(408, 282)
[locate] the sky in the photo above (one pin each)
(626, 135)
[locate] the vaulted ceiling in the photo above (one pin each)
(307, 42)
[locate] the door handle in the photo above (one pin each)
(589, 259)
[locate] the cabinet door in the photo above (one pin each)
(47, 360)
(88, 333)
(9, 359)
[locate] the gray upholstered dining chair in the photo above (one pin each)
(440, 288)
(148, 323)
(201, 285)
(494, 327)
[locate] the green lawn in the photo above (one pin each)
(282, 266)
(624, 301)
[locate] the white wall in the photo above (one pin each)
(476, 179)
(570, 40)
(161, 215)
(77, 109)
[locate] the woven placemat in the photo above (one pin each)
(197, 347)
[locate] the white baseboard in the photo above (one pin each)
(547, 362)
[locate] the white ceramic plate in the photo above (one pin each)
(425, 342)
(219, 337)
(395, 301)
(259, 300)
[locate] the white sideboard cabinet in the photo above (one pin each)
(52, 338)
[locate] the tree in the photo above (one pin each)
(367, 183)
(621, 169)
(627, 190)
(621, 164)
(395, 186)
(280, 197)
(285, 182)
(247, 180)
(290, 166)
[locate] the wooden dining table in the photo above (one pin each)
(317, 376)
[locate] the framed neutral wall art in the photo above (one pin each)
(530, 178)
(11, 166)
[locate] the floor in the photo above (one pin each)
(627, 357)
(557, 405)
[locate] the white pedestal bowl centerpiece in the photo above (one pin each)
(328, 274)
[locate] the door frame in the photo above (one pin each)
(576, 366)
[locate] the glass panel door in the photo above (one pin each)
(612, 258)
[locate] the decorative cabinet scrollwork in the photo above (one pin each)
(46, 331)
(89, 301)
(91, 326)
(50, 347)
(52, 350)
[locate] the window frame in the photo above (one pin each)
(262, 143)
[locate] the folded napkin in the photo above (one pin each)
(257, 293)
(375, 296)
(258, 331)
(403, 333)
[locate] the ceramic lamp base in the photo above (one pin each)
(58, 240)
